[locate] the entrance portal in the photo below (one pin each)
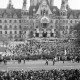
(45, 21)
(45, 25)
(44, 34)
(37, 34)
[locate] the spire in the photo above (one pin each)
(10, 4)
(24, 4)
(51, 2)
(64, 8)
(64, 5)
(31, 2)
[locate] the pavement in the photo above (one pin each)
(38, 65)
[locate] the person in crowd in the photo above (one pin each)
(55, 74)
(19, 60)
(63, 58)
(5, 61)
(46, 62)
(53, 61)
(24, 60)
(77, 59)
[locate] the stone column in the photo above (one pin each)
(40, 34)
(53, 33)
(34, 34)
(48, 34)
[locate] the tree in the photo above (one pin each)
(4, 40)
(77, 40)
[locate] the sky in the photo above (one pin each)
(74, 4)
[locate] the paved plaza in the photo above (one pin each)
(38, 65)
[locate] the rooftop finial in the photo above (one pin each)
(10, 2)
(24, 4)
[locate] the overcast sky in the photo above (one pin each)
(74, 4)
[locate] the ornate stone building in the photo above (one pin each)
(42, 21)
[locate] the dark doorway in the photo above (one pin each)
(44, 34)
(37, 34)
(44, 25)
(52, 34)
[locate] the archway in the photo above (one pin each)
(45, 22)
(45, 34)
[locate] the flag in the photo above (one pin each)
(65, 52)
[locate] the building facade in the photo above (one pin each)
(43, 20)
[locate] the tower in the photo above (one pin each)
(31, 2)
(63, 15)
(25, 16)
(24, 11)
(51, 2)
(24, 4)
(63, 10)
(10, 4)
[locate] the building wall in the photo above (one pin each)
(20, 27)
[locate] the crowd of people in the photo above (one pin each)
(56, 74)
(34, 47)
(38, 48)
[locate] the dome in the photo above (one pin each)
(45, 19)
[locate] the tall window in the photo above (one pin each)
(5, 27)
(5, 32)
(19, 21)
(66, 27)
(15, 21)
(71, 21)
(10, 21)
(0, 26)
(10, 26)
(15, 27)
(66, 21)
(10, 32)
(19, 32)
(15, 32)
(0, 32)
(5, 21)
(0, 21)
(20, 27)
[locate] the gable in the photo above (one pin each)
(43, 6)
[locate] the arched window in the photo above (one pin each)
(15, 21)
(0, 32)
(10, 21)
(71, 21)
(20, 32)
(19, 21)
(64, 13)
(5, 21)
(10, 26)
(15, 32)
(0, 26)
(5, 27)
(0, 21)
(41, 12)
(20, 27)
(5, 32)
(15, 27)
(10, 32)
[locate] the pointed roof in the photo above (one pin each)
(10, 4)
(24, 4)
(45, 19)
